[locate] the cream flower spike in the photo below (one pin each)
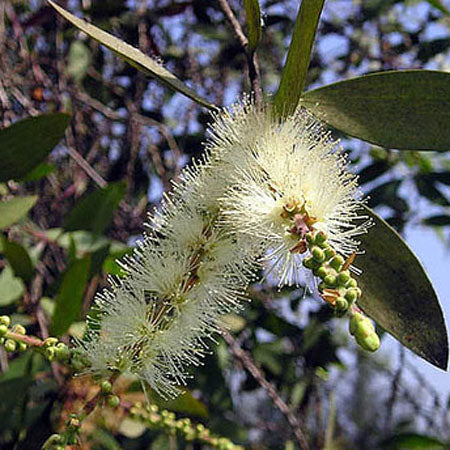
(290, 178)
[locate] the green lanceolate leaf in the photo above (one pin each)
(412, 441)
(70, 296)
(95, 211)
(133, 56)
(13, 210)
(438, 4)
(253, 20)
(398, 294)
(18, 258)
(406, 110)
(25, 144)
(294, 73)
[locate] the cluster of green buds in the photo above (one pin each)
(164, 420)
(112, 400)
(7, 334)
(15, 338)
(68, 437)
(337, 286)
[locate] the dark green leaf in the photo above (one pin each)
(406, 110)
(70, 296)
(11, 287)
(293, 77)
(18, 258)
(185, 404)
(13, 210)
(25, 144)
(439, 5)
(372, 171)
(430, 191)
(412, 441)
(133, 56)
(398, 294)
(386, 194)
(40, 171)
(253, 19)
(95, 211)
(439, 220)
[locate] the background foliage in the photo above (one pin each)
(67, 217)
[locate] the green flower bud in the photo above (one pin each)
(113, 401)
(321, 286)
(341, 304)
(5, 320)
(364, 329)
(370, 343)
(10, 345)
(310, 263)
(321, 238)
(19, 329)
(351, 295)
(343, 277)
(22, 346)
(330, 281)
(62, 351)
(354, 322)
(50, 353)
(352, 283)
(106, 387)
(50, 342)
(310, 238)
(2, 341)
(318, 254)
(337, 262)
(322, 272)
(329, 253)
(3, 330)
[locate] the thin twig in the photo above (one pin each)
(248, 363)
(252, 59)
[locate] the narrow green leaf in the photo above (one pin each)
(184, 404)
(25, 144)
(18, 258)
(70, 296)
(253, 20)
(406, 110)
(293, 77)
(439, 5)
(440, 220)
(95, 211)
(398, 294)
(133, 56)
(412, 441)
(13, 210)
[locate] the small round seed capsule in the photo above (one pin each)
(10, 345)
(318, 254)
(337, 262)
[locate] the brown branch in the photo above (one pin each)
(252, 59)
(257, 374)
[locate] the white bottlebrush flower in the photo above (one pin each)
(262, 184)
(290, 178)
